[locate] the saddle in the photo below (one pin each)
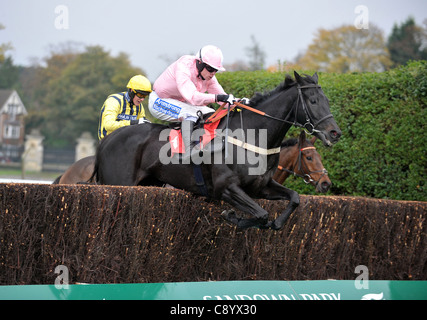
(204, 124)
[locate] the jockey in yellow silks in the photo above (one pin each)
(124, 108)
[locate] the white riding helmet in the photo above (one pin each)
(212, 56)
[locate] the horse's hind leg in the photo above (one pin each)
(243, 223)
(240, 200)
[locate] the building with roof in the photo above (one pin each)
(12, 125)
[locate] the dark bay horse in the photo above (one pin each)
(300, 158)
(297, 156)
(135, 155)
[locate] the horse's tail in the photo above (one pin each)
(94, 176)
(56, 181)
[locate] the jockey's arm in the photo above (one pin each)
(189, 91)
(109, 116)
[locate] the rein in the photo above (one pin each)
(308, 114)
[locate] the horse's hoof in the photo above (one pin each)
(265, 226)
(275, 227)
(230, 216)
(226, 213)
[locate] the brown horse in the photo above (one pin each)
(300, 158)
(297, 156)
(79, 172)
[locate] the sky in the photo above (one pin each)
(150, 31)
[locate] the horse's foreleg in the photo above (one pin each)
(275, 191)
(240, 200)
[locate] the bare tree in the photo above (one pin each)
(256, 55)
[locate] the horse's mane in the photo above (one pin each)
(286, 84)
(261, 97)
(289, 142)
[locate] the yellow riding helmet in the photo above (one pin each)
(139, 83)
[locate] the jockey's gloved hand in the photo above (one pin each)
(244, 101)
(229, 98)
(139, 121)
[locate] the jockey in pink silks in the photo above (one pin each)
(186, 87)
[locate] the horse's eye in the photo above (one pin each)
(309, 158)
(313, 101)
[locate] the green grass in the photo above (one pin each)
(17, 174)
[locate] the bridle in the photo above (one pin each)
(309, 119)
(302, 167)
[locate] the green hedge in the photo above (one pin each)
(382, 116)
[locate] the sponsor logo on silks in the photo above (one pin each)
(166, 108)
(126, 117)
(373, 296)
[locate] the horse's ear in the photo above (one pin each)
(313, 140)
(298, 78)
(315, 77)
(301, 139)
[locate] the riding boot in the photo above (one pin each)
(187, 127)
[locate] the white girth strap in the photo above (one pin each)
(253, 148)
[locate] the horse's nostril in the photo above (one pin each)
(335, 134)
(325, 185)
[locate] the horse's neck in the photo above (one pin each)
(276, 129)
